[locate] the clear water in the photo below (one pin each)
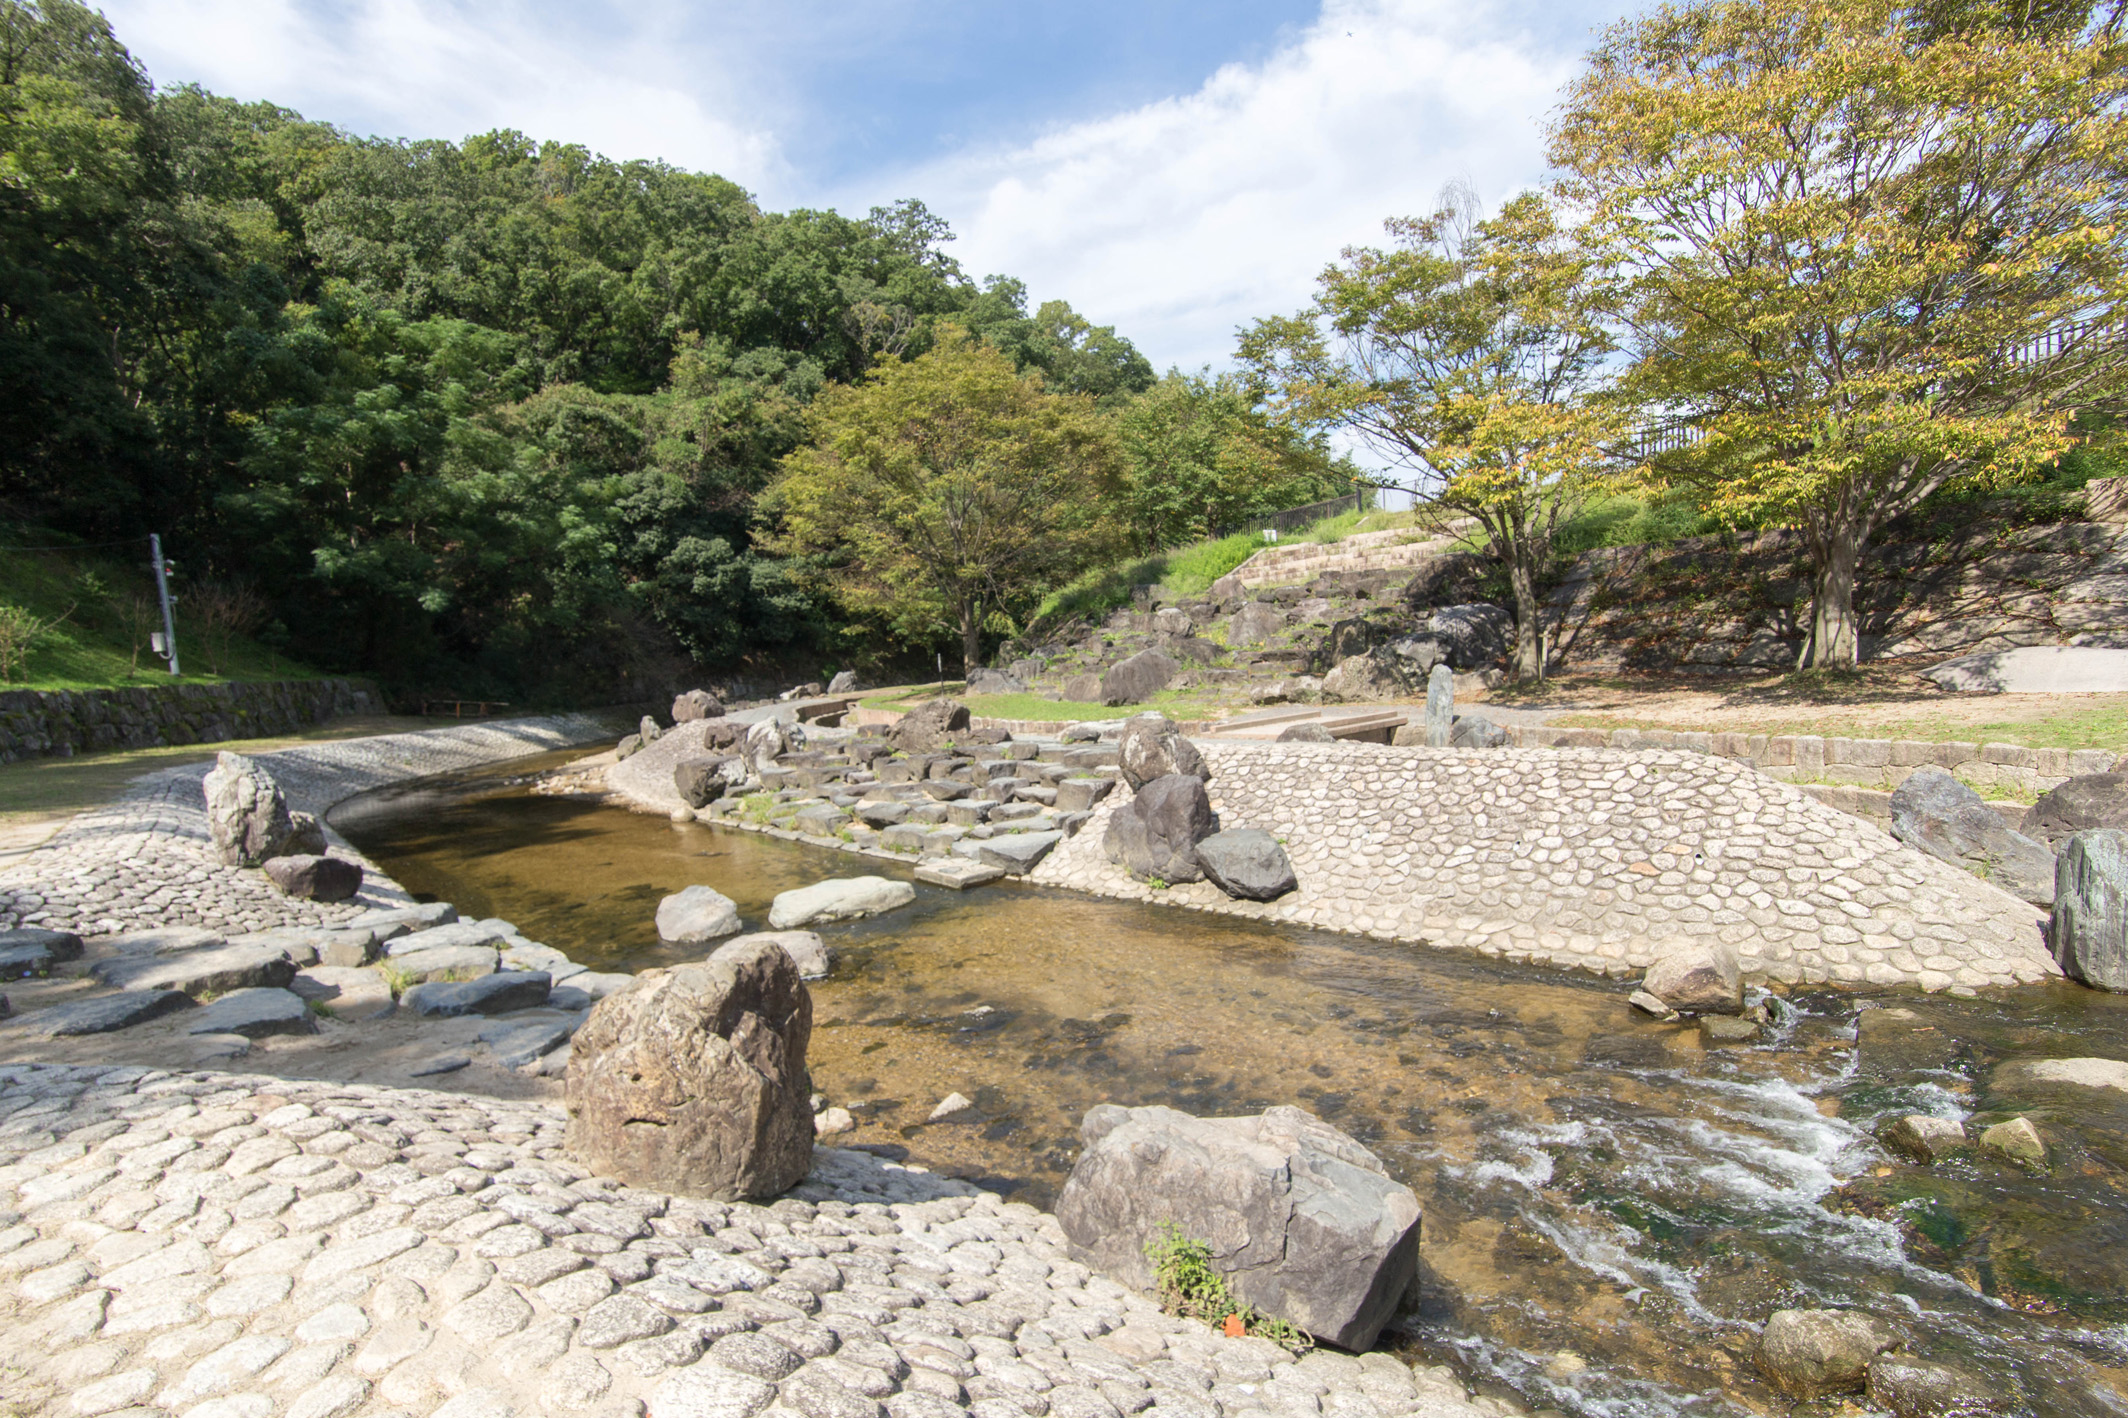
(1611, 1209)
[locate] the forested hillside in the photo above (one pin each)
(499, 416)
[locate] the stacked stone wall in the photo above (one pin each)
(62, 722)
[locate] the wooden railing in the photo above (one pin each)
(461, 708)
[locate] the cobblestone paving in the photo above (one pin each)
(1593, 858)
(144, 860)
(211, 1246)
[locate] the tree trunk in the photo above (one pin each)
(1834, 640)
(971, 636)
(1529, 620)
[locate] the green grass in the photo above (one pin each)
(103, 603)
(1176, 704)
(2100, 726)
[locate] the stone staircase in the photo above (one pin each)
(1396, 549)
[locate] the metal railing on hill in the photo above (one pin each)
(1292, 519)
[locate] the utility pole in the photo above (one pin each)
(162, 591)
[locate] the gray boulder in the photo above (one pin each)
(627, 747)
(1472, 637)
(1937, 814)
(208, 969)
(443, 962)
(1310, 732)
(1809, 1353)
(649, 730)
(1227, 588)
(1139, 678)
(496, 993)
(1370, 678)
(246, 814)
(1698, 977)
(1347, 638)
(1304, 1223)
(984, 681)
(848, 898)
(313, 878)
(101, 1016)
(694, 1081)
(806, 949)
(1917, 1388)
(843, 682)
(696, 704)
(1256, 623)
(695, 914)
(766, 741)
(1080, 794)
(1155, 834)
(2090, 922)
(1476, 731)
(32, 951)
(1418, 654)
(1153, 747)
(424, 916)
(254, 1014)
(928, 726)
(1081, 689)
(701, 781)
(2093, 800)
(1247, 863)
(1017, 853)
(308, 838)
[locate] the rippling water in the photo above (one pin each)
(1611, 1209)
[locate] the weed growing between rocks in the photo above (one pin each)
(1188, 1286)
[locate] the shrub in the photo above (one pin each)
(1189, 1286)
(19, 633)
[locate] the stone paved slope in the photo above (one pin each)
(220, 1247)
(145, 859)
(1593, 858)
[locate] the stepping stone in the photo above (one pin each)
(216, 969)
(958, 873)
(839, 899)
(59, 945)
(882, 814)
(516, 1045)
(492, 994)
(820, 820)
(206, 1048)
(558, 966)
(453, 962)
(352, 994)
(413, 918)
(22, 962)
(255, 1014)
(439, 1063)
(101, 1016)
(163, 941)
(458, 934)
(1018, 852)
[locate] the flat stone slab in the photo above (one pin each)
(101, 1016)
(449, 962)
(352, 993)
(59, 945)
(23, 962)
(254, 1014)
(215, 968)
(514, 1045)
(1019, 852)
(492, 994)
(528, 956)
(413, 918)
(839, 899)
(457, 934)
(162, 941)
(959, 873)
(2036, 669)
(2080, 1073)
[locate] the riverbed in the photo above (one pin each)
(1612, 1207)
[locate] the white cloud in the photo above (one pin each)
(448, 68)
(1183, 219)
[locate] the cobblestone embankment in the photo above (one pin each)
(39, 723)
(146, 859)
(1591, 858)
(230, 1247)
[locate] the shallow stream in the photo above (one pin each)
(1611, 1207)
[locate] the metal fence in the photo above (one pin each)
(1292, 519)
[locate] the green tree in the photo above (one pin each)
(948, 490)
(1200, 455)
(1466, 354)
(1867, 237)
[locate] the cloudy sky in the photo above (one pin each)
(1172, 167)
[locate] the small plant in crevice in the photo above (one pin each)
(1188, 1285)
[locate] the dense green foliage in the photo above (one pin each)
(496, 416)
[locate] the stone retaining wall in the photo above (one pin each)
(62, 722)
(1597, 859)
(1869, 763)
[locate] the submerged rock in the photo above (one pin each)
(1303, 1221)
(2017, 1140)
(695, 1081)
(695, 914)
(1924, 1138)
(1809, 1353)
(1935, 813)
(848, 898)
(1699, 977)
(1916, 1388)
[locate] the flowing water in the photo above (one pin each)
(1612, 1208)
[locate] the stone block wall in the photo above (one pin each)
(61, 723)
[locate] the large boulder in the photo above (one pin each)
(1472, 637)
(806, 949)
(2094, 800)
(843, 682)
(1374, 676)
(1916, 1388)
(2090, 925)
(1304, 1223)
(314, 878)
(1139, 678)
(246, 814)
(1476, 731)
(983, 681)
(1248, 864)
(694, 1081)
(1809, 1353)
(928, 726)
(1699, 977)
(1256, 623)
(1154, 836)
(847, 898)
(701, 781)
(767, 740)
(308, 837)
(1416, 655)
(1936, 813)
(696, 914)
(1152, 747)
(1081, 689)
(696, 704)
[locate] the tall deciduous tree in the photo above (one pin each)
(1466, 354)
(946, 489)
(1869, 239)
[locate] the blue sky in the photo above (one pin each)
(1172, 168)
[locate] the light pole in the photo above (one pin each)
(162, 591)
